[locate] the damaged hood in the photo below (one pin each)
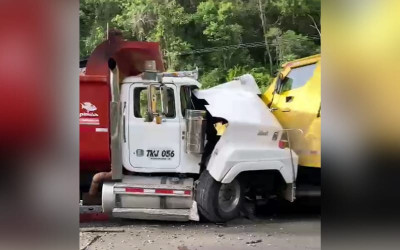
(238, 102)
(245, 82)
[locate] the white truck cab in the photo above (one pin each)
(184, 150)
(150, 147)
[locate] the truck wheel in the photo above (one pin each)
(218, 202)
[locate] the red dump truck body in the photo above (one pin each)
(95, 95)
(94, 123)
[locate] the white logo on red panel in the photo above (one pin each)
(90, 108)
(88, 117)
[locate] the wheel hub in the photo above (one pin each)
(228, 196)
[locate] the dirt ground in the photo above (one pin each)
(287, 226)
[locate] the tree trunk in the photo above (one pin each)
(263, 22)
(315, 26)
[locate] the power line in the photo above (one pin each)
(235, 46)
(227, 47)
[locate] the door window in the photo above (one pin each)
(186, 101)
(297, 77)
(140, 102)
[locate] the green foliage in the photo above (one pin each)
(218, 21)
(94, 39)
(220, 25)
(235, 72)
(289, 45)
(263, 79)
(183, 25)
(93, 18)
(212, 78)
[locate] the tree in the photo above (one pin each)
(93, 18)
(221, 27)
(264, 26)
(290, 46)
(156, 20)
(289, 29)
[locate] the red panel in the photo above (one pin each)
(94, 112)
(95, 94)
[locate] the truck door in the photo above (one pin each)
(298, 107)
(294, 96)
(151, 145)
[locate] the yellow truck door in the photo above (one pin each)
(296, 104)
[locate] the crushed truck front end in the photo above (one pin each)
(169, 151)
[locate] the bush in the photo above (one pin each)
(263, 79)
(218, 76)
(236, 72)
(212, 78)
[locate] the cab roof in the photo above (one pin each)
(302, 61)
(178, 81)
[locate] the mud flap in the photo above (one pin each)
(194, 214)
(290, 192)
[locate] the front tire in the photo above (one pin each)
(218, 202)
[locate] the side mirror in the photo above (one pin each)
(277, 86)
(164, 99)
(278, 83)
(152, 99)
(151, 103)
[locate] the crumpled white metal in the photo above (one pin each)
(247, 143)
(238, 102)
(245, 82)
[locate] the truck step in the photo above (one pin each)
(152, 214)
(308, 191)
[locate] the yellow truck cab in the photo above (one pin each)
(295, 99)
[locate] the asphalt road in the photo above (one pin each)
(276, 226)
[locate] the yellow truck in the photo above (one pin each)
(294, 97)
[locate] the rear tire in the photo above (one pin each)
(218, 202)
